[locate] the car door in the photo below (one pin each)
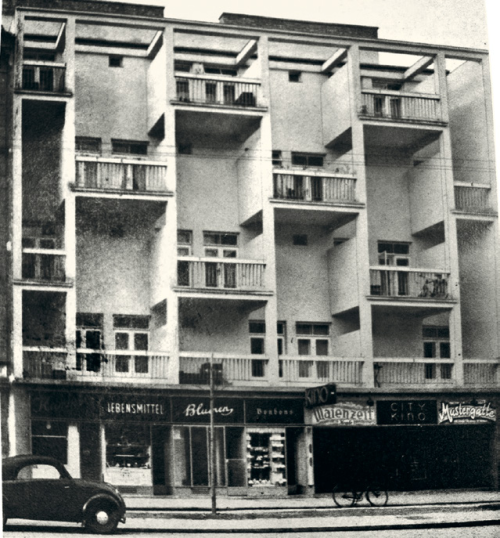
(48, 494)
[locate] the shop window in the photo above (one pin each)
(191, 455)
(50, 438)
(266, 457)
(128, 454)
(316, 343)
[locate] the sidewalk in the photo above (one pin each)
(400, 498)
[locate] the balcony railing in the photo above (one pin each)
(120, 174)
(412, 372)
(90, 365)
(475, 199)
(481, 373)
(43, 76)
(217, 273)
(299, 370)
(39, 363)
(45, 265)
(400, 106)
(313, 188)
(195, 370)
(205, 90)
(406, 282)
(134, 366)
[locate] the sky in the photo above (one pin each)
(444, 22)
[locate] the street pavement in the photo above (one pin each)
(240, 515)
(405, 510)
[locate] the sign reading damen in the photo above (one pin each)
(406, 412)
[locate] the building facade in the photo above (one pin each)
(297, 204)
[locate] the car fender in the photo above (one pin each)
(99, 497)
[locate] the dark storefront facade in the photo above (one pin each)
(405, 444)
(159, 444)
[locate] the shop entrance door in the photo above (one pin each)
(162, 481)
(236, 461)
(90, 451)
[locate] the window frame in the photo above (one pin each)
(128, 146)
(313, 337)
(307, 158)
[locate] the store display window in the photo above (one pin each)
(128, 454)
(191, 456)
(266, 457)
(50, 438)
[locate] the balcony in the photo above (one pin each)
(135, 367)
(254, 370)
(403, 282)
(47, 77)
(399, 106)
(412, 371)
(473, 198)
(321, 187)
(194, 369)
(227, 274)
(217, 91)
(481, 373)
(114, 175)
(42, 262)
(302, 370)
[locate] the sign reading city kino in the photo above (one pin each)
(342, 414)
(466, 413)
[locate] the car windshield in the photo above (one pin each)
(39, 471)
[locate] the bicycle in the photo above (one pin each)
(345, 497)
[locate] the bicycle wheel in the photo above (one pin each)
(343, 498)
(377, 496)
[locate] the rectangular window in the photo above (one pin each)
(300, 240)
(316, 344)
(50, 438)
(131, 334)
(87, 144)
(294, 76)
(281, 329)
(257, 343)
(128, 454)
(220, 238)
(129, 147)
(436, 342)
(116, 61)
(277, 158)
(258, 368)
(311, 160)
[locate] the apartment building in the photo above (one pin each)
(299, 204)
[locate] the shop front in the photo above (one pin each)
(404, 444)
(159, 443)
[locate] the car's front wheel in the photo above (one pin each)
(102, 517)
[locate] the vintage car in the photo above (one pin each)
(40, 488)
